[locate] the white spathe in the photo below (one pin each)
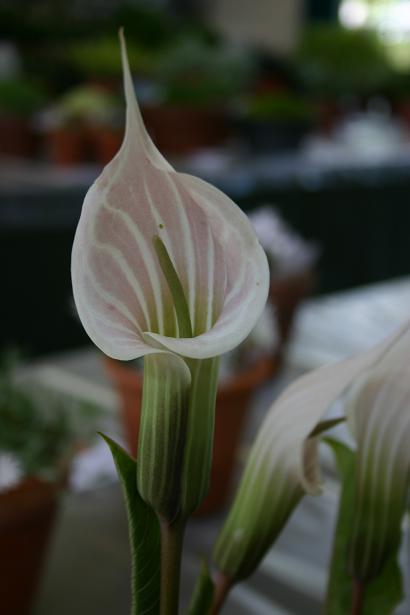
(300, 408)
(120, 292)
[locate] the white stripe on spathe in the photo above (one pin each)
(147, 257)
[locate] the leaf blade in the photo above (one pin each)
(144, 536)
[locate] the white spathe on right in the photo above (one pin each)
(283, 462)
(378, 413)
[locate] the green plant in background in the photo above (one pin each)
(89, 104)
(20, 97)
(40, 428)
(100, 57)
(166, 267)
(194, 72)
(333, 61)
(152, 28)
(281, 106)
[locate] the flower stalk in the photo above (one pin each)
(172, 536)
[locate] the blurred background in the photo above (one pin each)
(300, 111)
(300, 104)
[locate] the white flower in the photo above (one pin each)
(289, 253)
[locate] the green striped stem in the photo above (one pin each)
(199, 433)
(165, 401)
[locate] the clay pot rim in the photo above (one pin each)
(262, 369)
(26, 500)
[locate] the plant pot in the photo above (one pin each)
(66, 146)
(183, 129)
(232, 405)
(105, 143)
(27, 513)
(286, 293)
(16, 138)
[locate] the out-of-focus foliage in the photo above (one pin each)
(20, 97)
(101, 58)
(281, 106)
(40, 427)
(332, 60)
(90, 104)
(196, 72)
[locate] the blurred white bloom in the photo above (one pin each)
(263, 341)
(288, 253)
(10, 471)
(265, 335)
(92, 468)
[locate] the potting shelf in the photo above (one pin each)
(88, 568)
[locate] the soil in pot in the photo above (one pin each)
(27, 514)
(232, 406)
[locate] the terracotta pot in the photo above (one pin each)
(286, 293)
(105, 143)
(66, 146)
(16, 138)
(27, 513)
(232, 405)
(182, 129)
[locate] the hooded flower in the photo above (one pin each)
(121, 295)
(283, 463)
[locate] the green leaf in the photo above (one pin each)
(382, 593)
(144, 533)
(203, 593)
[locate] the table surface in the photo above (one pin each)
(88, 566)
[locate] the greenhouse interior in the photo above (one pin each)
(205, 340)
